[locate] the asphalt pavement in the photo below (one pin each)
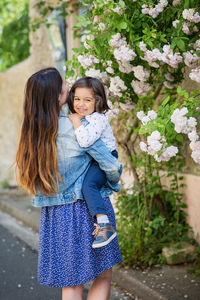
(157, 283)
(18, 266)
(18, 271)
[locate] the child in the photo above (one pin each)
(87, 100)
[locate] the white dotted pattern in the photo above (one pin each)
(98, 127)
(66, 257)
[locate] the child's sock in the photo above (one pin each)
(103, 219)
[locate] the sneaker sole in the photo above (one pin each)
(106, 242)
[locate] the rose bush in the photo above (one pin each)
(138, 49)
(141, 50)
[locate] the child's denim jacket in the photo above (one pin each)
(73, 163)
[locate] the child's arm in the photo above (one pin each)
(87, 135)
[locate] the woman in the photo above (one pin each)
(52, 166)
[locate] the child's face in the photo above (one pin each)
(84, 101)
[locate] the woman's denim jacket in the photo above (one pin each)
(73, 163)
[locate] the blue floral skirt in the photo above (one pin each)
(66, 257)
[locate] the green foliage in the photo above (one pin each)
(163, 121)
(196, 265)
(150, 219)
(5, 184)
(155, 214)
(46, 9)
(151, 215)
(134, 27)
(14, 40)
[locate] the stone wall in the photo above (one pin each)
(70, 22)
(41, 50)
(12, 83)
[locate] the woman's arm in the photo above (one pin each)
(107, 162)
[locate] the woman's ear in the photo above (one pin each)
(65, 108)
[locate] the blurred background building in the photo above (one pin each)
(48, 47)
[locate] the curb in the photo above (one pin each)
(134, 286)
(30, 217)
(27, 235)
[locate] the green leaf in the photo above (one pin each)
(182, 92)
(68, 63)
(187, 4)
(181, 45)
(179, 138)
(75, 65)
(70, 73)
(196, 114)
(166, 100)
(122, 25)
(173, 43)
(179, 90)
(183, 205)
(121, 3)
(78, 25)
(142, 130)
(80, 18)
(76, 50)
(163, 39)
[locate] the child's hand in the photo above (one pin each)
(74, 117)
(76, 120)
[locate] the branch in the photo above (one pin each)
(129, 154)
(136, 178)
(127, 138)
(124, 144)
(157, 93)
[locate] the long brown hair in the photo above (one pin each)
(36, 158)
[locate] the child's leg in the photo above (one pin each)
(94, 180)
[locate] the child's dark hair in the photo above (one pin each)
(97, 87)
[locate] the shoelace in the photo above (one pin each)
(97, 229)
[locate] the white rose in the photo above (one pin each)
(143, 146)
(152, 114)
(140, 115)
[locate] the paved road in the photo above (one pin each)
(18, 271)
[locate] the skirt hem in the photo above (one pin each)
(83, 281)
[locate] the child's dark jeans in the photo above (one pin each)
(94, 180)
